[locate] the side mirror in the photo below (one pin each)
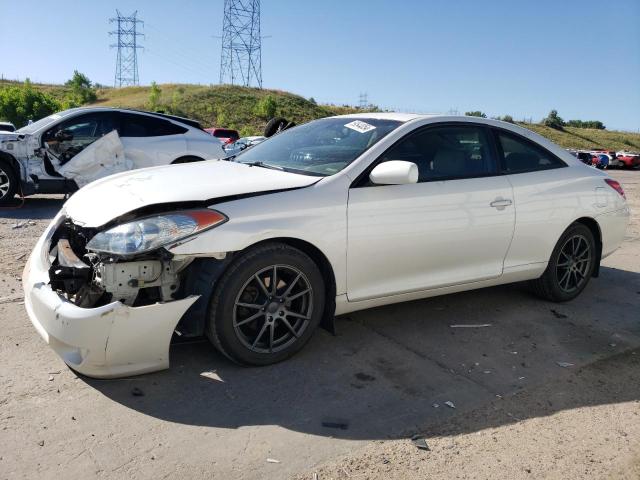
(394, 172)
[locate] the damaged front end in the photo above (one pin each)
(91, 279)
(107, 300)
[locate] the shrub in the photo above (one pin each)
(19, 104)
(476, 113)
(266, 107)
(82, 91)
(553, 120)
(154, 97)
(598, 125)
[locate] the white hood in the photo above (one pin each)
(108, 198)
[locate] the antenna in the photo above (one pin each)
(241, 58)
(127, 44)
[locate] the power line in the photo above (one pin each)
(241, 56)
(127, 45)
(172, 47)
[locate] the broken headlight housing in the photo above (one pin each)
(150, 233)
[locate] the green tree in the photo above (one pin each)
(597, 124)
(507, 118)
(553, 120)
(154, 97)
(266, 108)
(313, 100)
(19, 104)
(82, 90)
(476, 113)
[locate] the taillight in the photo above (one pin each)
(616, 186)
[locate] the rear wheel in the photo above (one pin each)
(266, 305)
(570, 267)
(275, 125)
(8, 183)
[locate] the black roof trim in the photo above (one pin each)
(175, 118)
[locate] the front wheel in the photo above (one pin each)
(570, 267)
(8, 183)
(266, 305)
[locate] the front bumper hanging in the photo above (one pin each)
(108, 341)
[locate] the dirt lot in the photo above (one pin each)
(518, 414)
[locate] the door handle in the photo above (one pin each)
(501, 203)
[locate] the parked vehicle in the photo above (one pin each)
(225, 135)
(242, 144)
(336, 215)
(601, 160)
(584, 157)
(7, 127)
(629, 159)
(69, 149)
(610, 161)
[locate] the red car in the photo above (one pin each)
(630, 160)
(226, 135)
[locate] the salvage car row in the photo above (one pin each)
(607, 158)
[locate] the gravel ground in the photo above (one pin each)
(379, 377)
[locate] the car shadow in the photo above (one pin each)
(387, 368)
(32, 208)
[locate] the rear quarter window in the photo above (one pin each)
(132, 125)
(520, 155)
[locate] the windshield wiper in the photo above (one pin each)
(264, 165)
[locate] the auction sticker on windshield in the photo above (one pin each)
(359, 126)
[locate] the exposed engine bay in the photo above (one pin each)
(90, 279)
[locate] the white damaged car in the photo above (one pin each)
(336, 215)
(70, 149)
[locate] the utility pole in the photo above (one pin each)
(127, 45)
(241, 57)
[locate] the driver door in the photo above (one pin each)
(454, 226)
(66, 139)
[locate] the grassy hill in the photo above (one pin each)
(588, 138)
(224, 105)
(235, 107)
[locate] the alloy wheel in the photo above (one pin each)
(273, 309)
(5, 183)
(574, 263)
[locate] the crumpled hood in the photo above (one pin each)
(110, 197)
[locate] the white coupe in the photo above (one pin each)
(336, 215)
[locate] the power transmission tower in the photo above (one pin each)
(363, 101)
(127, 44)
(241, 58)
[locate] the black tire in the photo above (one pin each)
(8, 183)
(248, 281)
(557, 282)
(187, 159)
(275, 125)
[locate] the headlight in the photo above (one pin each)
(149, 233)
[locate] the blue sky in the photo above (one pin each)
(517, 57)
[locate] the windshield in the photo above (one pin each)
(322, 147)
(43, 122)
